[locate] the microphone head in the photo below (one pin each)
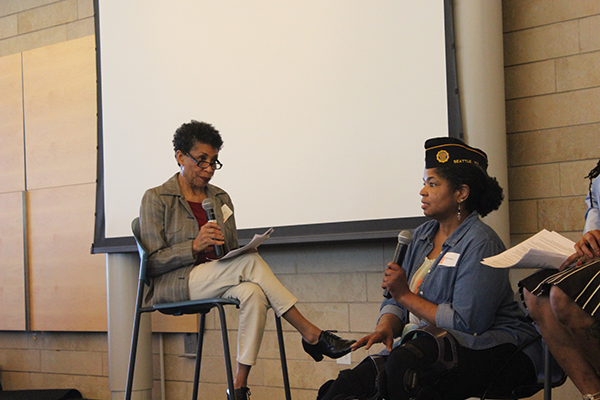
(208, 204)
(405, 237)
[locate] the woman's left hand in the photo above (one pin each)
(394, 280)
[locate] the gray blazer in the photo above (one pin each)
(168, 228)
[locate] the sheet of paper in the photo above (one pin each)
(543, 250)
(541, 259)
(256, 241)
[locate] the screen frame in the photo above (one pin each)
(351, 231)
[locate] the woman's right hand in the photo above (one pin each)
(587, 249)
(384, 333)
(589, 244)
(210, 234)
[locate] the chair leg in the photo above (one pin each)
(226, 352)
(284, 370)
(198, 356)
(547, 374)
(132, 355)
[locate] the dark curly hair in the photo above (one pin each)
(485, 192)
(188, 134)
(591, 176)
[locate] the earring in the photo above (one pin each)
(458, 216)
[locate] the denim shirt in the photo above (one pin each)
(475, 302)
(592, 215)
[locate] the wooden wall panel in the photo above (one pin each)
(68, 284)
(12, 171)
(12, 263)
(60, 113)
(173, 324)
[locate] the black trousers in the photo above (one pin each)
(476, 371)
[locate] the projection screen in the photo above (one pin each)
(323, 105)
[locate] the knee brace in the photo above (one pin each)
(418, 392)
(410, 381)
(418, 381)
(412, 377)
(447, 356)
(357, 383)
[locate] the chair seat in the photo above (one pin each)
(199, 306)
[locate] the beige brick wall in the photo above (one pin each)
(552, 71)
(552, 49)
(55, 360)
(29, 24)
(552, 76)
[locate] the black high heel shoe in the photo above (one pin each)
(242, 393)
(329, 345)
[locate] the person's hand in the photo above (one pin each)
(382, 334)
(395, 281)
(587, 249)
(576, 260)
(210, 234)
(570, 262)
(589, 244)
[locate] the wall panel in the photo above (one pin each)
(12, 263)
(68, 284)
(60, 114)
(12, 172)
(184, 323)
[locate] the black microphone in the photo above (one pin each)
(404, 239)
(209, 207)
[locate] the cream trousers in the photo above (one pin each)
(250, 280)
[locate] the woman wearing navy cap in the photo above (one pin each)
(469, 325)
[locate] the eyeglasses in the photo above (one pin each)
(204, 164)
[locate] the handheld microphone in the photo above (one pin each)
(209, 207)
(404, 239)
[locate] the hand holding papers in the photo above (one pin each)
(543, 250)
(256, 241)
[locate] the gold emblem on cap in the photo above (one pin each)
(442, 156)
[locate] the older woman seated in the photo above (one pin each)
(182, 260)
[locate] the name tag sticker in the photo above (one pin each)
(226, 212)
(449, 259)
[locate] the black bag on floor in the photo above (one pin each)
(40, 394)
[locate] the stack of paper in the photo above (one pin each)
(252, 246)
(543, 250)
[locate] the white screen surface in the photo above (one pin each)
(324, 106)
